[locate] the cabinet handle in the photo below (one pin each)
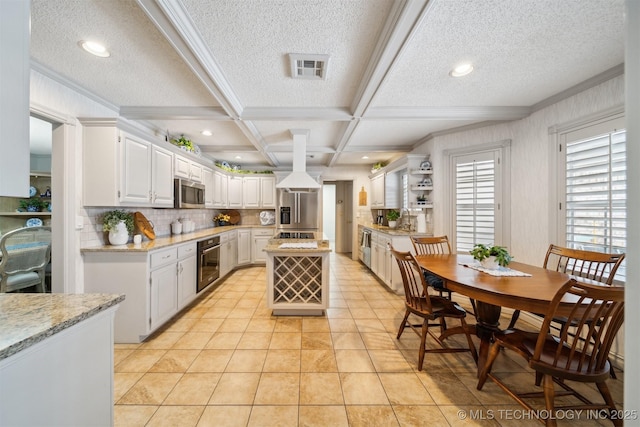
(166, 256)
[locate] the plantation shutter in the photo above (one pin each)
(595, 200)
(475, 207)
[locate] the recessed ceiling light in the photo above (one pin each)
(365, 157)
(238, 157)
(206, 132)
(94, 48)
(461, 70)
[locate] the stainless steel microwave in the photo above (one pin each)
(188, 194)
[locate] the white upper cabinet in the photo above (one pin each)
(161, 177)
(377, 191)
(122, 169)
(209, 187)
(235, 192)
(136, 171)
(187, 169)
(268, 191)
(259, 192)
(251, 192)
(220, 182)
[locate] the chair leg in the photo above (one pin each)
(491, 357)
(423, 343)
(403, 324)
(514, 319)
(472, 347)
(538, 378)
(606, 395)
(549, 397)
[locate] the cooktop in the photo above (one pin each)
(295, 235)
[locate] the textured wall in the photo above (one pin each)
(530, 164)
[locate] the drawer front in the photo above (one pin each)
(261, 233)
(187, 250)
(163, 257)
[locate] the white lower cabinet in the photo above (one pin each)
(187, 274)
(383, 263)
(164, 295)
(228, 252)
(259, 241)
(244, 247)
(156, 285)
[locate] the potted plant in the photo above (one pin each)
(33, 204)
(119, 224)
(392, 217)
(491, 256)
(222, 219)
(184, 143)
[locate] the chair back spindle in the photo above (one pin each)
(591, 265)
(583, 342)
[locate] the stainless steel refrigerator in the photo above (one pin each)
(297, 211)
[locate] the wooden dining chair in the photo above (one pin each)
(434, 246)
(26, 252)
(598, 266)
(597, 312)
(430, 308)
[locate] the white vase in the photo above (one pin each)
(392, 224)
(490, 263)
(120, 235)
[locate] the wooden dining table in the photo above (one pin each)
(527, 293)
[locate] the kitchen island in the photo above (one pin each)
(56, 359)
(298, 276)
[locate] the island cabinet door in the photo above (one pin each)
(164, 295)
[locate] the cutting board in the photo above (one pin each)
(234, 217)
(143, 224)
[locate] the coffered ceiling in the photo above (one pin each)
(184, 66)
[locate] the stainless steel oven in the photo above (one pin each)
(208, 262)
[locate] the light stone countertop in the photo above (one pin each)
(274, 246)
(174, 239)
(27, 319)
(393, 231)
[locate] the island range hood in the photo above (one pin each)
(299, 181)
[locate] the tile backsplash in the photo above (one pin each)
(92, 234)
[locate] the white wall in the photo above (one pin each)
(530, 164)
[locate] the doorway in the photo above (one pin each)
(337, 214)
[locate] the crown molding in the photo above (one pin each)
(609, 74)
(47, 72)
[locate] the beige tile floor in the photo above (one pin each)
(226, 361)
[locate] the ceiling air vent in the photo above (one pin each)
(309, 66)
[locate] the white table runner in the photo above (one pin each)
(500, 271)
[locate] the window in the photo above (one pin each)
(594, 194)
(475, 201)
(478, 181)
